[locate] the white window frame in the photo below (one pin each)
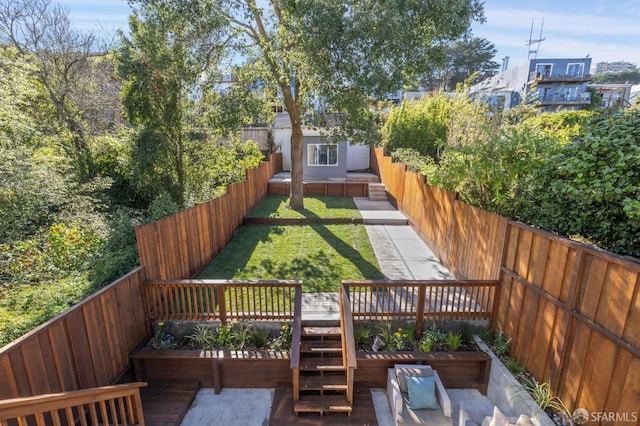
(581, 73)
(541, 73)
(311, 146)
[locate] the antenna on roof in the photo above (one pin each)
(532, 41)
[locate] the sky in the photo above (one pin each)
(606, 30)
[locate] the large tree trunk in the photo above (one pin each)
(296, 196)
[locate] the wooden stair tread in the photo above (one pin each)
(321, 363)
(321, 346)
(322, 403)
(320, 331)
(338, 382)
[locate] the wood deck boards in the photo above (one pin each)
(165, 402)
(363, 411)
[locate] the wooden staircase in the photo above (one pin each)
(377, 192)
(323, 376)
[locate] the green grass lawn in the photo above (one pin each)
(325, 207)
(318, 255)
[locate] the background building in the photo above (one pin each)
(619, 66)
(552, 84)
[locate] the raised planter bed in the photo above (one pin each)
(265, 369)
(508, 394)
(215, 369)
(458, 370)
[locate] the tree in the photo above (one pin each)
(624, 77)
(43, 32)
(341, 53)
(464, 58)
(161, 64)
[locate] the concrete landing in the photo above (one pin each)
(379, 212)
(320, 306)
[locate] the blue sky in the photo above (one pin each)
(606, 30)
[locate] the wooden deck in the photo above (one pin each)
(165, 402)
(363, 411)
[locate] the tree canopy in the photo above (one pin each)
(468, 58)
(336, 53)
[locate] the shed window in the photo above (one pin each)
(322, 155)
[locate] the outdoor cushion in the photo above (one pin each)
(422, 393)
(404, 370)
(499, 419)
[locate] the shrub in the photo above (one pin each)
(421, 125)
(258, 337)
(361, 334)
(454, 340)
(592, 186)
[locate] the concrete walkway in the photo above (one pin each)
(401, 254)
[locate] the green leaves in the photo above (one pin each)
(594, 184)
(420, 125)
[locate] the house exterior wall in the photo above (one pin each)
(339, 170)
(358, 157)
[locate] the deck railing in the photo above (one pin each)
(221, 300)
(348, 344)
(420, 300)
(106, 405)
(296, 340)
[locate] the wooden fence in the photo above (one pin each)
(221, 300)
(106, 405)
(179, 246)
(574, 316)
(573, 312)
(421, 300)
(85, 347)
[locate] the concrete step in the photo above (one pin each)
(377, 192)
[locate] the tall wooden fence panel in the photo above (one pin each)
(180, 245)
(87, 346)
(574, 316)
(475, 246)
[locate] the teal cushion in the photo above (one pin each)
(422, 393)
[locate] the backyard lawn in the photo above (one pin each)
(321, 256)
(275, 206)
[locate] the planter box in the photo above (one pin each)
(508, 394)
(457, 370)
(265, 369)
(215, 369)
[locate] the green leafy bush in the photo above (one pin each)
(591, 187)
(421, 125)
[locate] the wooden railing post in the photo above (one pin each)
(422, 296)
(222, 303)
